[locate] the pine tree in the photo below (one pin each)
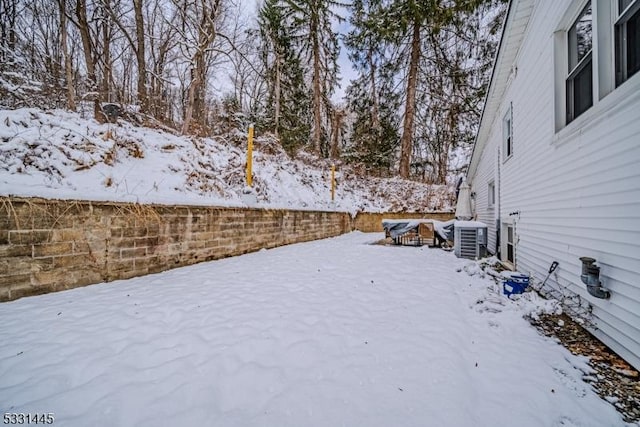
(288, 103)
(409, 23)
(314, 36)
(371, 96)
(372, 145)
(452, 79)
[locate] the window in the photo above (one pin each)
(627, 42)
(580, 79)
(491, 194)
(507, 132)
(510, 246)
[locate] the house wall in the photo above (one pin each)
(487, 172)
(576, 191)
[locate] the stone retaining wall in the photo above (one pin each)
(52, 245)
(372, 222)
(48, 245)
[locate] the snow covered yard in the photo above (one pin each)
(336, 332)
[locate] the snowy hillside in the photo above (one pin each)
(59, 154)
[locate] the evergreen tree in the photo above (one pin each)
(453, 80)
(372, 145)
(407, 23)
(372, 98)
(288, 104)
(318, 44)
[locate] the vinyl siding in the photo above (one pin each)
(485, 213)
(577, 191)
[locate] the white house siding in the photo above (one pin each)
(577, 192)
(486, 173)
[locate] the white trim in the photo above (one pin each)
(504, 237)
(604, 45)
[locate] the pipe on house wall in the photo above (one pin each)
(591, 277)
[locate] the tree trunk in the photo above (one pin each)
(443, 161)
(338, 116)
(140, 52)
(317, 100)
(106, 57)
(83, 28)
(9, 15)
(375, 112)
(277, 93)
(68, 66)
(195, 108)
(191, 96)
(199, 104)
(410, 108)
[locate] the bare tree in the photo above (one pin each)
(248, 70)
(161, 50)
(9, 10)
(88, 43)
(68, 65)
(197, 28)
(137, 43)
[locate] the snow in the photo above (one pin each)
(441, 227)
(509, 274)
(316, 334)
(61, 155)
(469, 224)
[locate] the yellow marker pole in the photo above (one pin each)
(250, 157)
(333, 182)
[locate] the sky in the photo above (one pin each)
(347, 71)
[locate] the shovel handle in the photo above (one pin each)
(553, 267)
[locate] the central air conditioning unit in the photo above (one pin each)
(470, 239)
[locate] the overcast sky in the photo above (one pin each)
(347, 72)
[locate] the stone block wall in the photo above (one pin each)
(51, 245)
(372, 222)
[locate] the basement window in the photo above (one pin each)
(511, 249)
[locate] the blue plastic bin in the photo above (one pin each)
(516, 284)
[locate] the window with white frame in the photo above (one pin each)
(579, 81)
(627, 40)
(507, 133)
(510, 254)
(491, 194)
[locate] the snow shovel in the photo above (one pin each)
(552, 268)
